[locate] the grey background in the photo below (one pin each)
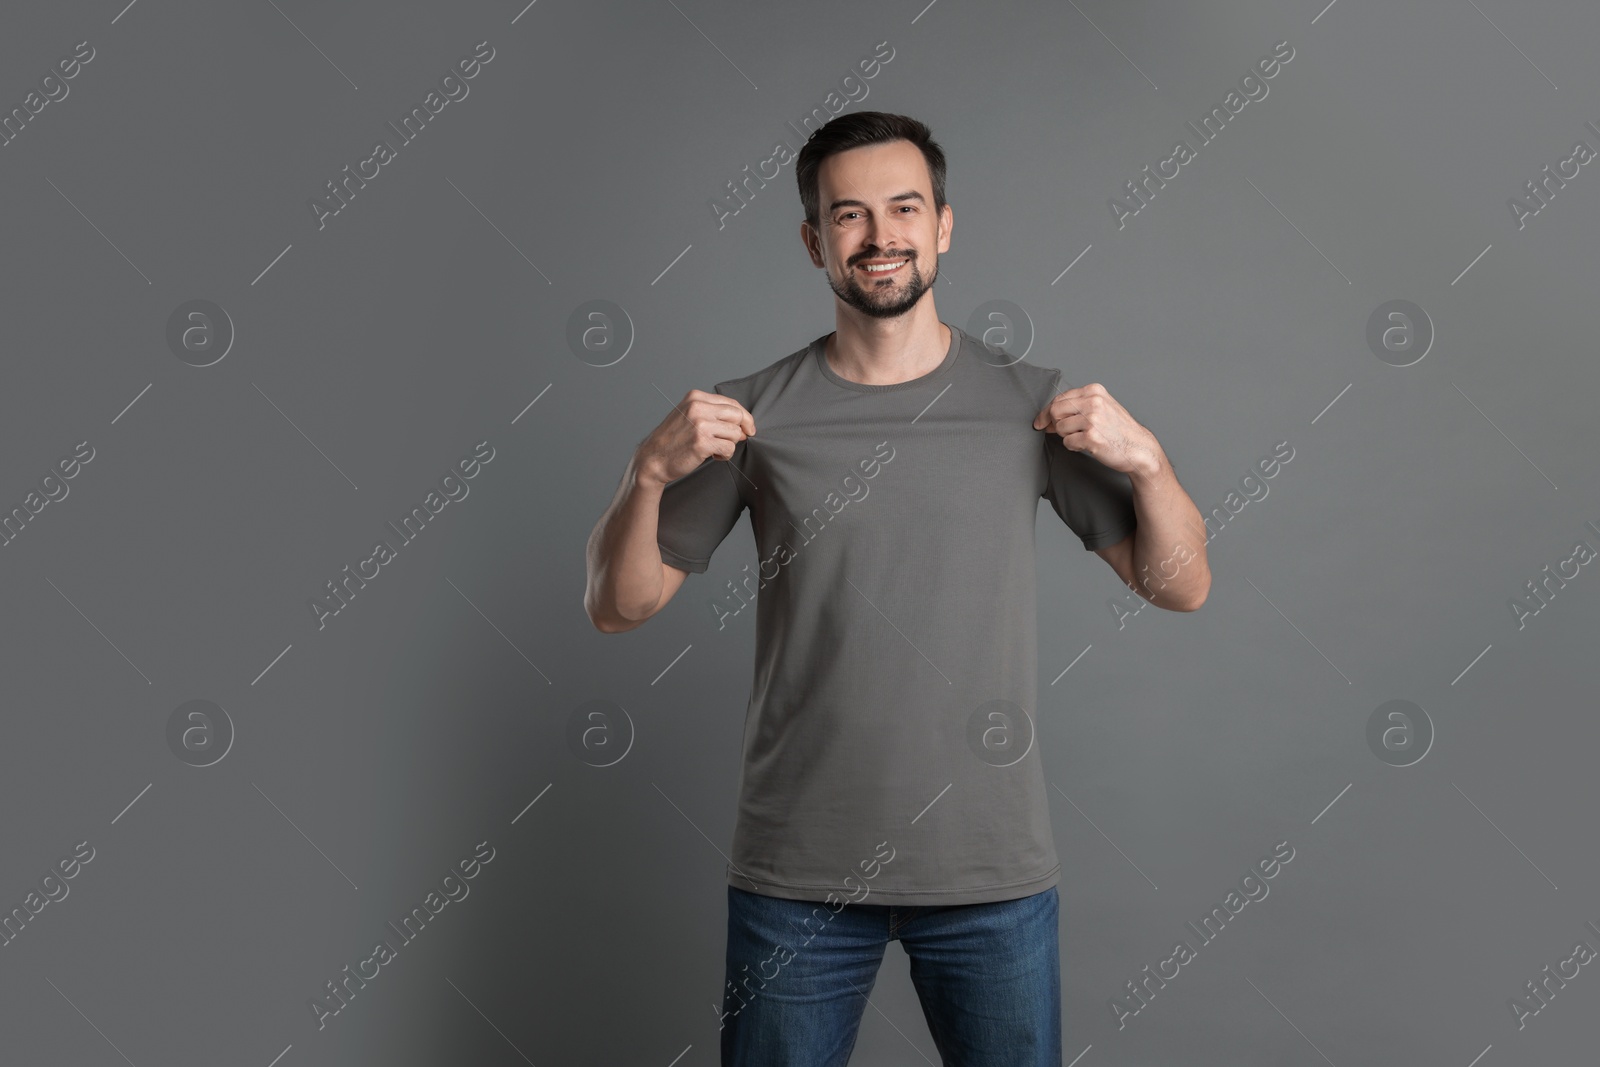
(1229, 315)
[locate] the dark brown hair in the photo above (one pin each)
(853, 131)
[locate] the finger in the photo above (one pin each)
(1069, 402)
(729, 410)
(1078, 441)
(1080, 392)
(725, 431)
(1073, 423)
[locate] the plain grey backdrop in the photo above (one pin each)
(352, 762)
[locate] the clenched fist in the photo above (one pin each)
(703, 425)
(1089, 419)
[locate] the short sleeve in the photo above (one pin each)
(698, 510)
(1095, 501)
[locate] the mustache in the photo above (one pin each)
(894, 253)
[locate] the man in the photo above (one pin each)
(893, 488)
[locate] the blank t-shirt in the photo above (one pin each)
(890, 749)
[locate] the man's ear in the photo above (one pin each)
(812, 242)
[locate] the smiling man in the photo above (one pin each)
(891, 787)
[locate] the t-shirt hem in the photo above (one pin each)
(983, 894)
(697, 566)
(1109, 537)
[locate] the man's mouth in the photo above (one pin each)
(882, 268)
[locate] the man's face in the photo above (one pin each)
(875, 209)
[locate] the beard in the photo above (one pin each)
(885, 301)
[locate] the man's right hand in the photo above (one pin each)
(703, 425)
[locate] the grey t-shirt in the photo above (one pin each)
(890, 747)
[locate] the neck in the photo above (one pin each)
(875, 351)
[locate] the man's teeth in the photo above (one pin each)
(883, 267)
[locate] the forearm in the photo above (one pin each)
(624, 562)
(1169, 546)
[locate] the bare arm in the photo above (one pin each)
(1164, 560)
(628, 581)
(1169, 531)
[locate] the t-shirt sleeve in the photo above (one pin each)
(1095, 501)
(698, 510)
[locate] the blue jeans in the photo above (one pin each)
(799, 974)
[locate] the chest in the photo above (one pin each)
(962, 466)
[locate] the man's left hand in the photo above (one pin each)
(1089, 419)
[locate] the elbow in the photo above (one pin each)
(611, 625)
(609, 622)
(605, 622)
(1194, 602)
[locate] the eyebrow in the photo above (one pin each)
(912, 195)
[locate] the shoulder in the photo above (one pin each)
(750, 389)
(1044, 382)
(1037, 382)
